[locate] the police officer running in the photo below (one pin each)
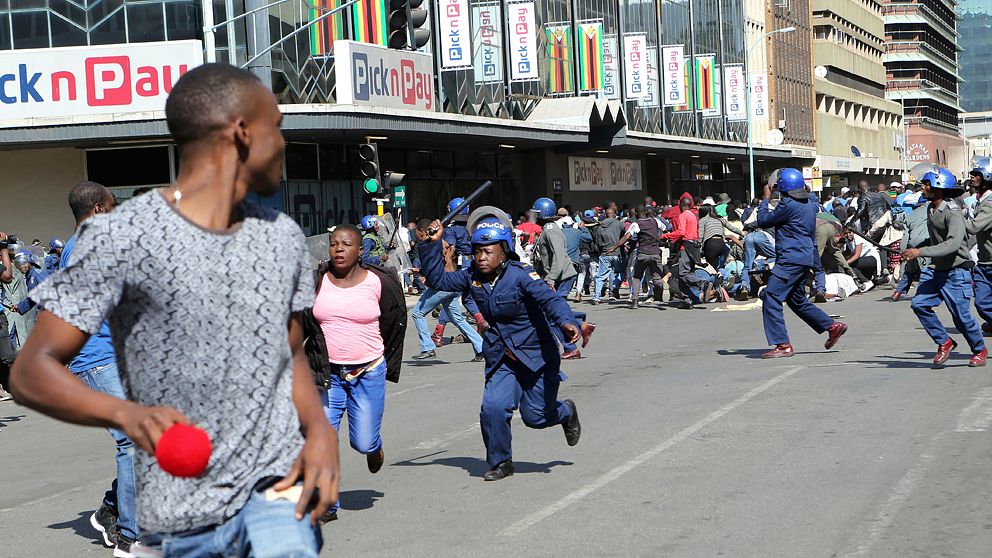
(373, 249)
(981, 226)
(794, 220)
(521, 354)
(948, 277)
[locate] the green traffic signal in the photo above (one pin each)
(371, 186)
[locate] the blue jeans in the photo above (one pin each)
(953, 288)
(364, 398)
(755, 244)
(608, 273)
(911, 274)
(261, 529)
(430, 300)
(121, 496)
(786, 285)
(513, 385)
(983, 291)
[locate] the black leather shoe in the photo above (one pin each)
(572, 427)
(499, 472)
(479, 357)
(425, 355)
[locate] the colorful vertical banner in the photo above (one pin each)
(635, 65)
(455, 34)
(559, 47)
(326, 31)
(686, 80)
(706, 85)
(653, 98)
(674, 71)
(369, 17)
(611, 68)
(734, 91)
(759, 95)
(523, 41)
(487, 31)
(592, 74)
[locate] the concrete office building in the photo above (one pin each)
(858, 132)
(921, 63)
(975, 27)
(556, 115)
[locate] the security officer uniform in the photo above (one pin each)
(948, 277)
(457, 235)
(981, 227)
(794, 220)
(372, 247)
(54, 257)
(521, 354)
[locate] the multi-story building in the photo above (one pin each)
(570, 99)
(859, 132)
(921, 63)
(790, 74)
(975, 27)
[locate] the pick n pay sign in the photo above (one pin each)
(377, 76)
(78, 81)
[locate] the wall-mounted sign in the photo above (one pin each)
(635, 62)
(523, 41)
(383, 77)
(734, 92)
(76, 81)
(488, 28)
(600, 174)
(653, 98)
(918, 153)
(455, 34)
(611, 68)
(759, 95)
(673, 72)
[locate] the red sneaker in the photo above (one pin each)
(944, 351)
(978, 359)
(834, 333)
(587, 329)
(782, 350)
(896, 295)
(571, 355)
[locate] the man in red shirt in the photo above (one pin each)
(529, 228)
(685, 239)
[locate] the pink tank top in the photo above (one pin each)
(349, 319)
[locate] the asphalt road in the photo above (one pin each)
(691, 446)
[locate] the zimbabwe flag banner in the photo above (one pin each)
(559, 49)
(592, 74)
(326, 31)
(370, 21)
(706, 99)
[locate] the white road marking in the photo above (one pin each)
(621, 470)
(443, 441)
(897, 499)
(59, 494)
(414, 388)
(977, 417)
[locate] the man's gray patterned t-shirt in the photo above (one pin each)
(199, 322)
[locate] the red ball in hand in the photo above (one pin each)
(183, 450)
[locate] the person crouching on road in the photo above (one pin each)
(794, 221)
(521, 354)
(948, 277)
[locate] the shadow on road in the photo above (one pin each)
(746, 353)
(924, 360)
(8, 419)
(359, 499)
(81, 527)
(476, 467)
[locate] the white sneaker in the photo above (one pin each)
(4, 395)
(866, 286)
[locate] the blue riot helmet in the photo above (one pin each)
(545, 208)
(490, 230)
(368, 223)
(24, 258)
(590, 213)
(983, 167)
(788, 179)
(454, 203)
(55, 244)
(942, 179)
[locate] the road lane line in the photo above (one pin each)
(621, 470)
(60, 494)
(444, 440)
(977, 417)
(414, 388)
(897, 499)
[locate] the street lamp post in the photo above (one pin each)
(747, 99)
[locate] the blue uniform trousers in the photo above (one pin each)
(511, 385)
(786, 285)
(983, 291)
(952, 287)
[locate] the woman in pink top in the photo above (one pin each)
(347, 310)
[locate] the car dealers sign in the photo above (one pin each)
(377, 76)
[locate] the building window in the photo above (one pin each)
(145, 23)
(30, 29)
(133, 166)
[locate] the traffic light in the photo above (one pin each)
(406, 20)
(371, 178)
(391, 180)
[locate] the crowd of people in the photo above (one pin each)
(136, 332)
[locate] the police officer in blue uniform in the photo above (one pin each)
(948, 278)
(373, 250)
(33, 276)
(521, 354)
(54, 257)
(796, 256)
(457, 235)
